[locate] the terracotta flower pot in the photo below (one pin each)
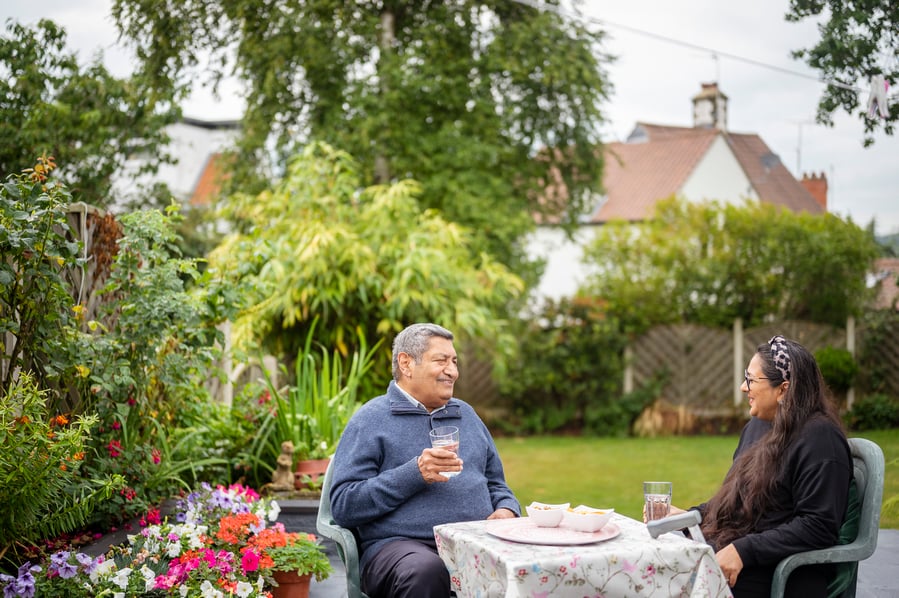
(291, 585)
(310, 467)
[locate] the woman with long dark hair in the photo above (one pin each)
(787, 492)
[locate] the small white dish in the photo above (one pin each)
(586, 519)
(546, 515)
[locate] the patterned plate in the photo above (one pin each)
(523, 530)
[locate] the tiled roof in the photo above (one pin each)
(887, 272)
(656, 161)
(770, 178)
(638, 174)
(210, 181)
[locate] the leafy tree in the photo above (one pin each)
(708, 264)
(88, 120)
(858, 41)
(319, 245)
(35, 304)
(462, 95)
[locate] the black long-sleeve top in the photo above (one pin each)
(810, 497)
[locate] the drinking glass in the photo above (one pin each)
(657, 499)
(446, 437)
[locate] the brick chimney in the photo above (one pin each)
(816, 184)
(710, 108)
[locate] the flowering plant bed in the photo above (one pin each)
(221, 543)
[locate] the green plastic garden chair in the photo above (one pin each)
(343, 537)
(869, 472)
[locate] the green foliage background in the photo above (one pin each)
(91, 122)
(463, 96)
(320, 245)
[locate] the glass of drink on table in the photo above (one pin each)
(657, 499)
(446, 437)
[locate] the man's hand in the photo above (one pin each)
(502, 514)
(730, 562)
(434, 460)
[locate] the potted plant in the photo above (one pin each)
(313, 411)
(292, 558)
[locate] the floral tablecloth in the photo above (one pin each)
(482, 565)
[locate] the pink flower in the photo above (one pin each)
(157, 456)
(116, 425)
(249, 561)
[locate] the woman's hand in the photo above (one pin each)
(672, 510)
(730, 562)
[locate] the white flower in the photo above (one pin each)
(207, 590)
(274, 510)
(149, 578)
(121, 578)
(103, 570)
(244, 589)
(118, 595)
(173, 549)
(183, 591)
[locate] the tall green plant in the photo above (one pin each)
(146, 359)
(35, 305)
(41, 453)
(314, 409)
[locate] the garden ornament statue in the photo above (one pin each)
(282, 477)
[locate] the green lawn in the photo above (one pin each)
(609, 472)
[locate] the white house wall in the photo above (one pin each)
(718, 176)
(564, 271)
(192, 146)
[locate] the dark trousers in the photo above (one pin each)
(406, 569)
(804, 582)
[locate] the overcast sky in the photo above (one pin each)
(665, 49)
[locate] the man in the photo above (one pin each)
(387, 483)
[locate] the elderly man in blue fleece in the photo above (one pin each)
(387, 483)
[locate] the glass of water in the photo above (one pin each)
(446, 437)
(657, 499)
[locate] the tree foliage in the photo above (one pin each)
(35, 251)
(710, 263)
(858, 40)
(90, 121)
(319, 245)
(461, 95)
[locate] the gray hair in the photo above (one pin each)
(414, 341)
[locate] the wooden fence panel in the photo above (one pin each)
(697, 361)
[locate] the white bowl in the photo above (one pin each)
(587, 519)
(545, 515)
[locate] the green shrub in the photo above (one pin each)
(568, 374)
(35, 304)
(41, 453)
(145, 363)
(838, 368)
(874, 412)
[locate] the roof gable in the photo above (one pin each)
(657, 161)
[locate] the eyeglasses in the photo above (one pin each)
(749, 380)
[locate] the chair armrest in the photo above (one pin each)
(843, 553)
(673, 523)
(347, 548)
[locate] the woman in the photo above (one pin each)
(787, 492)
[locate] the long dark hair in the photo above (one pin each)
(747, 491)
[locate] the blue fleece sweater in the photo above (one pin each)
(378, 490)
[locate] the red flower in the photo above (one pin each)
(115, 448)
(157, 456)
(116, 425)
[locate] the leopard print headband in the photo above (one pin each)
(780, 355)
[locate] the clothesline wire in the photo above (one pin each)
(577, 16)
